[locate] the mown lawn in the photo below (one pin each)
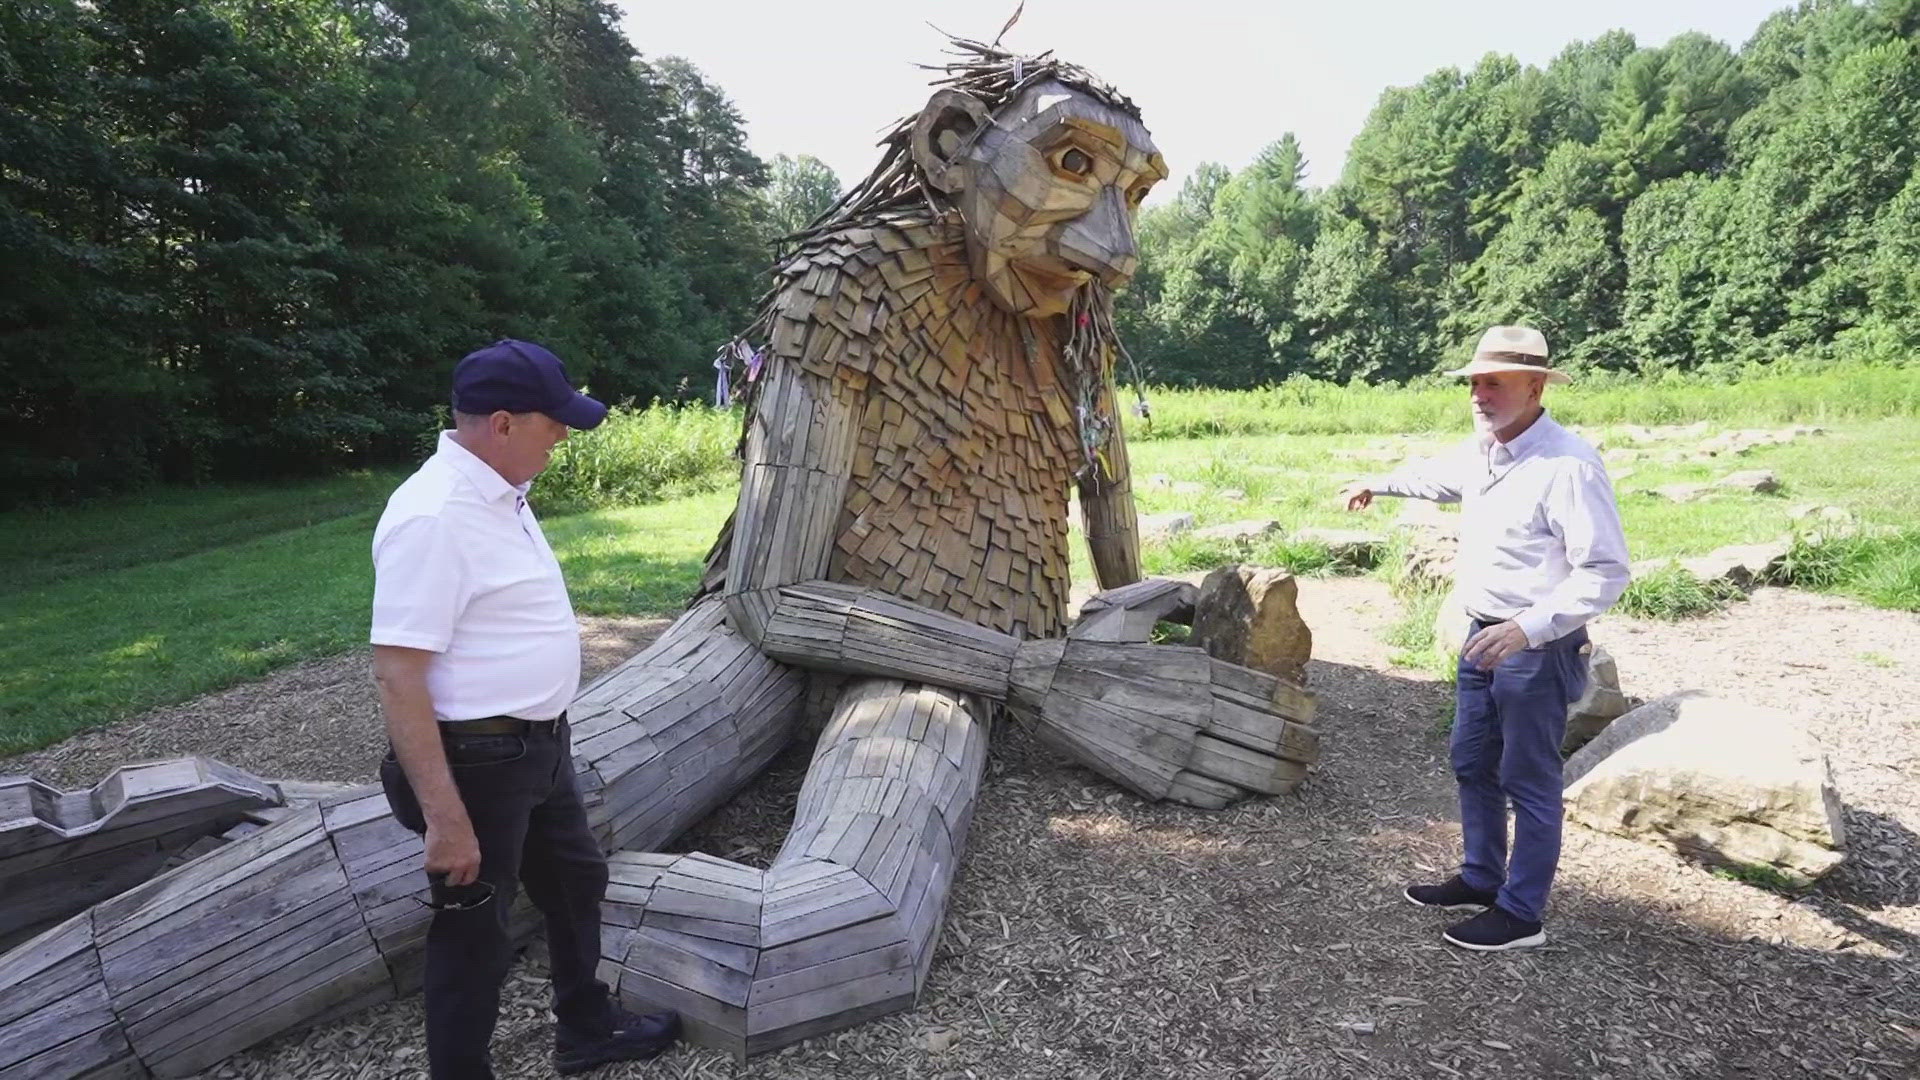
(84, 648)
(114, 608)
(1870, 468)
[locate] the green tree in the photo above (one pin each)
(1554, 265)
(799, 190)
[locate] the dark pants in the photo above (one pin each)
(1507, 728)
(526, 812)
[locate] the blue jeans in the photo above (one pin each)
(1507, 728)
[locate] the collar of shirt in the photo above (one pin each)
(1535, 438)
(492, 486)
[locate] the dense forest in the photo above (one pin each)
(250, 237)
(1686, 207)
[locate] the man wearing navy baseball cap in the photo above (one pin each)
(477, 655)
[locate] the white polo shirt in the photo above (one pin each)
(460, 568)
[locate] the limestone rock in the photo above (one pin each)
(1822, 515)
(1716, 779)
(1157, 482)
(1351, 546)
(1163, 526)
(1237, 532)
(1742, 566)
(1599, 706)
(1682, 492)
(1250, 615)
(1820, 523)
(1757, 481)
(1232, 495)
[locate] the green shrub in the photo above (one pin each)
(1882, 568)
(638, 456)
(1761, 876)
(1671, 592)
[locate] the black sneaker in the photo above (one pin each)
(634, 1038)
(1454, 894)
(1494, 930)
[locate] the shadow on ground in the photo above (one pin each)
(1094, 935)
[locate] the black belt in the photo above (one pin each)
(497, 725)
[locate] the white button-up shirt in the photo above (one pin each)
(460, 568)
(1540, 536)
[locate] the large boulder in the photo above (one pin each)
(1600, 705)
(1716, 779)
(1250, 615)
(1751, 481)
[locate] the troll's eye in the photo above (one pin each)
(1073, 163)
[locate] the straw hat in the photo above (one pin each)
(1512, 348)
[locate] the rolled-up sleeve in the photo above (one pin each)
(418, 587)
(1582, 513)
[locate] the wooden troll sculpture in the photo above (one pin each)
(937, 377)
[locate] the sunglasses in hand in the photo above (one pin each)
(456, 897)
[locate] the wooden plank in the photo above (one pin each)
(797, 927)
(99, 1053)
(54, 970)
(829, 1008)
(1246, 768)
(84, 1007)
(888, 958)
(1202, 791)
(692, 1007)
(307, 872)
(135, 909)
(662, 958)
(740, 958)
(330, 920)
(278, 1004)
(673, 901)
(736, 933)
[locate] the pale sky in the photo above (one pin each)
(1215, 80)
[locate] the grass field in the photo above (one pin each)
(110, 609)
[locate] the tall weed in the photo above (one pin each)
(1305, 406)
(1881, 568)
(638, 456)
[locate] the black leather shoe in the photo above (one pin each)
(1495, 930)
(634, 1038)
(1454, 894)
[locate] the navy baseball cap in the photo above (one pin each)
(521, 377)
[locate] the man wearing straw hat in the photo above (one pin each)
(1541, 553)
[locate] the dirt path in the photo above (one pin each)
(1092, 935)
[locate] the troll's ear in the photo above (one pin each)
(944, 128)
